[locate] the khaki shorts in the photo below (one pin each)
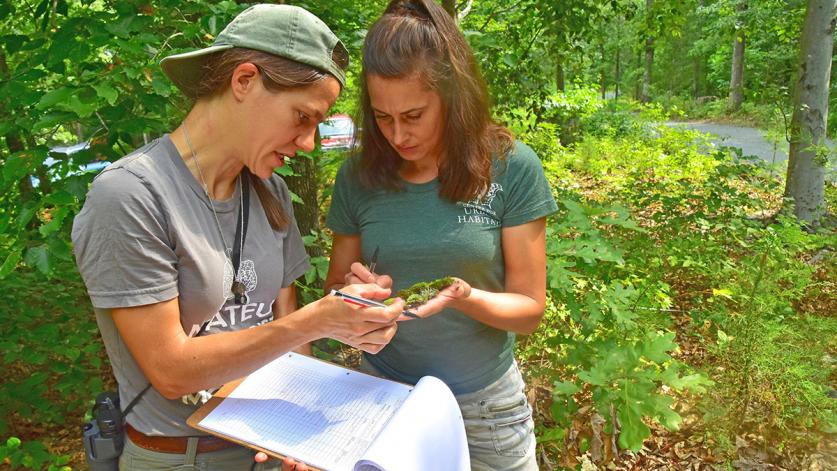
(236, 458)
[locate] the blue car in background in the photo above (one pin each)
(337, 132)
(95, 166)
(69, 150)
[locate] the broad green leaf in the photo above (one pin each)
(17, 166)
(60, 198)
(285, 171)
(82, 106)
(52, 119)
(552, 435)
(121, 28)
(14, 42)
(695, 382)
(295, 198)
(161, 85)
(6, 126)
(38, 257)
(558, 276)
(655, 347)
(633, 431)
(660, 407)
(10, 263)
(596, 376)
(54, 97)
(55, 223)
(41, 8)
(565, 388)
(107, 92)
(26, 214)
(311, 275)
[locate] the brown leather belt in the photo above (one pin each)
(175, 444)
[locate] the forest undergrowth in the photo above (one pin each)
(690, 323)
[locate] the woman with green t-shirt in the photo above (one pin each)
(440, 189)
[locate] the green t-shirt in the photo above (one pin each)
(423, 237)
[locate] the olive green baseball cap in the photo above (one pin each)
(284, 30)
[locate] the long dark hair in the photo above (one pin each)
(419, 37)
(277, 74)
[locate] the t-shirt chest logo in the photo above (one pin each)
(479, 211)
(246, 275)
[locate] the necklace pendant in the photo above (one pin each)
(238, 288)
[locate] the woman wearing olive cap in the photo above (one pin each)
(188, 246)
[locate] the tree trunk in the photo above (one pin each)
(646, 73)
(13, 140)
(649, 56)
(450, 7)
(736, 82)
(304, 185)
(638, 84)
(602, 70)
(559, 74)
(806, 170)
(618, 71)
(699, 60)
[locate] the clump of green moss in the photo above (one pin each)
(423, 291)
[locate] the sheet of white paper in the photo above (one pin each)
(427, 432)
(316, 412)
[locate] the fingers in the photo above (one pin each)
(371, 318)
(290, 464)
(383, 281)
(460, 289)
(371, 326)
(405, 318)
(368, 291)
(360, 274)
(430, 307)
(260, 457)
(375, 341)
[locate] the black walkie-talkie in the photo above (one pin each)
(103, 435)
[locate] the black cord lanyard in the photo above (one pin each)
(238, 288)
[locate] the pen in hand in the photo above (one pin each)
(360, 301)
(374, 260)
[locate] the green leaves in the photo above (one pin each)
(655, 347)
(32, 455)
(38, 257)
(634, 431)
(10, 263)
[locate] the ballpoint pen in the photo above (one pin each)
(360, 301)
(374, 260)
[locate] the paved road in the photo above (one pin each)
(752, 142)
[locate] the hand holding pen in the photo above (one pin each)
(369, 328)
(363, 302)
(360, 273)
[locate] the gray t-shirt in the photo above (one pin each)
(423, 237)
(147, 234)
